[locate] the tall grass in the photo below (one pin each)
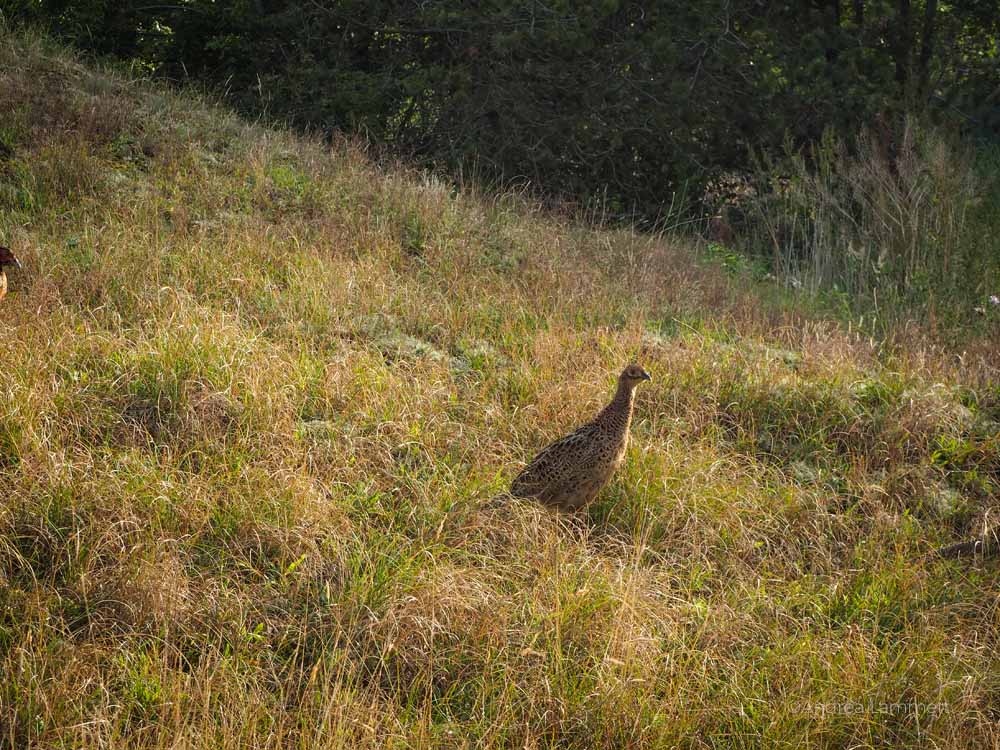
(905, 224)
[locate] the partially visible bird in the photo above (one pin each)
(6, 259)
(985, 546)
(569, 473)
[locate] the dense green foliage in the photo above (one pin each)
(627, 102)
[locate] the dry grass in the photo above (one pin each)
(259, 396)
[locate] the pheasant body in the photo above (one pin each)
(570, 472)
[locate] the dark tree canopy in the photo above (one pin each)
(629, 102)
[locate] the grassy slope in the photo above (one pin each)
(257, 396)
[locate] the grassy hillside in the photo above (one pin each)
(258, 402)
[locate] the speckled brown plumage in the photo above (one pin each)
(569, 473)
(985, 546)
(6, 259)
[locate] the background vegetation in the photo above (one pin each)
(849, 118)
(628, 102)
(259, 397)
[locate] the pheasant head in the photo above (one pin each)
(633, 375)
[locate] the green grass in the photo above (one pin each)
(259, 399)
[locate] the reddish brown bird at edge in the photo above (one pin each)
(6, 259)
(570, 472)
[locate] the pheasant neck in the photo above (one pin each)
(618, 414)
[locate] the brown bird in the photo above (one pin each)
(985, 546)
(569, 473)
(6, 259)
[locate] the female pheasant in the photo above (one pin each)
(569, 473)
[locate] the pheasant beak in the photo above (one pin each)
(646, 376)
